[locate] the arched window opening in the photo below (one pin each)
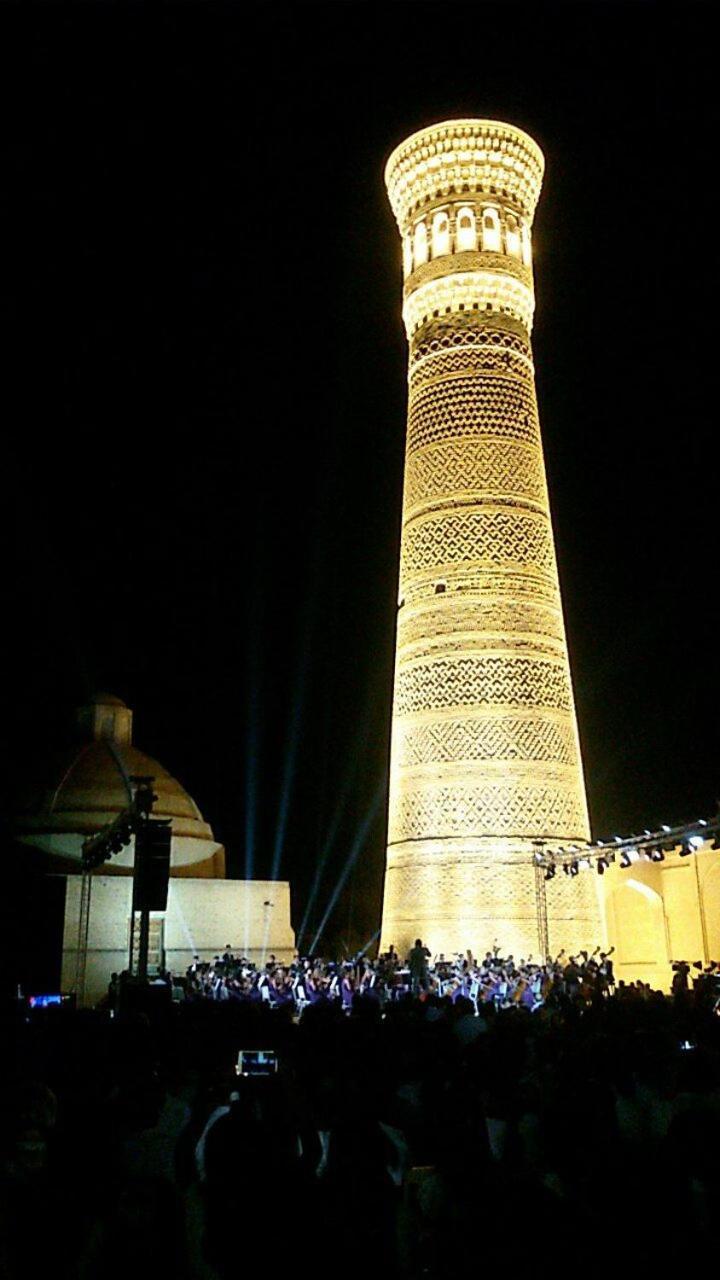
(407, 255)
(512, 236)
(491, 231)
(421, 244)
(526, 250)
(440, 235)
(465, 234)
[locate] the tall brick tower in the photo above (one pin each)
(485, 756)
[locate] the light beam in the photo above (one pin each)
(356, 849)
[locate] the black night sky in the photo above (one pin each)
(205, 392)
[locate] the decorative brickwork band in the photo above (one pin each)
(485, 756)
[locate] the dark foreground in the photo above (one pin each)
(423, 1143)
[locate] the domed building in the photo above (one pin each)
(90, 784)
(81, 793)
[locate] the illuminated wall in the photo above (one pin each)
(202, 917)
(661, 912)
(485, 755)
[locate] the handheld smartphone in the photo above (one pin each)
(256, 1062)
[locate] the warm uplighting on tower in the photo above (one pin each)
(485, 756)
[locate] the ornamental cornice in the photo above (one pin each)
(458, 263)
(465, 291)
(458, 157)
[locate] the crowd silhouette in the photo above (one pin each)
(419, 1134)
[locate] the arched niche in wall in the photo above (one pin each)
(407, 254)
(465, 229)
(420, 245)
(440, 234)
(491, 230)
(638, 924)
(526, 249)
(512, 236)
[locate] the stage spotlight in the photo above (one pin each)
(566, 868)
(574, 868)
(549, 872)
(657, 855)
(691, 845)
(624, 858)
(601, 866)
(716, 841)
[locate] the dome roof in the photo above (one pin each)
(86, 787)
(106, 700)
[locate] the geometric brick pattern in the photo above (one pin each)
(511, 737)
(468, 346)
(485, 754)
(475, 406)
(432, 811)
(497, 535)
(488, 466)
(479, 679)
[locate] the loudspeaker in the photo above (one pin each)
(152, 865)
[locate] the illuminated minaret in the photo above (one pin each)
(485, 756)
